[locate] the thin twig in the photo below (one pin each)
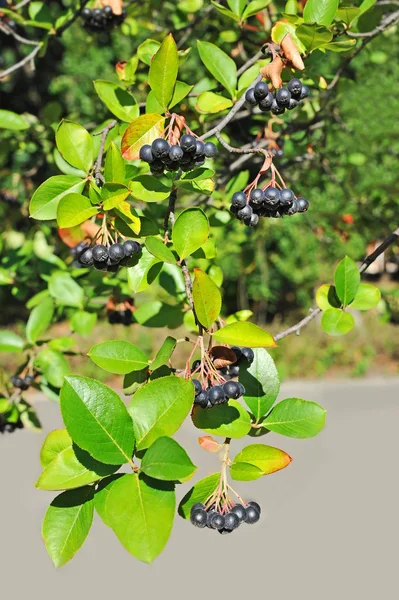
(250, 62)
(8, 31)
(257, 150)
(66, 25)
(387, 21)
(21, 4)
(21, 63)
(104, 132)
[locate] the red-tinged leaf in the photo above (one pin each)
(143, 130)
(257, 460)
(209, 444)
(73, 235)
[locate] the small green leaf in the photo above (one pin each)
(144, 272)
(10, 120)
(225, 11)
(296, 418)
(180, 92)
(114, 168)
(118, 100)
(118, 357)
(165, 459)
(75, 145)
(55, 442)
(326, 297)
(254, 7)
(159, 408)
(164, 353)
(320, 11)
(227, 420)
(44, 202)
(100, 498)
(65, 290)
(257, 460)
(207, 298)
(313, 36)
(97, 420)
(163, 71)
(367, 297)
(200, 492)
(243, 333)
(211, 103)
(83, 322)
(348, 14)
(150, 189)
(10, 341)
(67, 523)
(53, 365)
(147, 49)
(158, 249)
(190, 231)
(143, 130)
(73, 209)
(281, 29)
(347, 280)
(39, 320)
(337, 322)
(114, 194)
(261, 382)
(341, 46)
(222, 67)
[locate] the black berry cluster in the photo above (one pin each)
(277, 102)
(225, 522)
(108, 258)
(244, 356)
(8, 426)
(101, 19)
(270, 203)
(22, 383)
(217, 394)
(189, 154)
(120, 317)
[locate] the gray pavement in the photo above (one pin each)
(329, 528)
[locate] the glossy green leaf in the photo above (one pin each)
(190, 231)
(10, 341)
(53, 365)
(67, 523)
(340, 46)
(211, 103)
(65, 290)
(118, 357)
(320, 11)
(158, 249)
(159, 408)
(237, 6)
(73, 209)
(134, 381)
(254, 7)
(150, 189)
(367, 297)
(143, 130)
(163, 71)
(296, 418)
(114, 167)
(222, 67)
(261, 382)
(326, 297)
(243, 333)
(101, 495)
(200, 492)
(164, 353)
(147, 49)
(56, 441)
(83, 322)
(144, 272)
(281, 28)
(197, 175)
(44, 202)
(348, 14)
(114, 194)
(313, 36)
(257, 460)
(39, 320)
(227, 420)
(347, 280)
(118, 100)
(337, 322)
(97, 420)
(10, 120)
(225, 11)
(165, 459)
(207, 298)
(75, 145)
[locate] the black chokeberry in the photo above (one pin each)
(286, 197)
(245, 212)
(302, 204)
(271, 196)
(216, 395)
(231, 521)
(86, 257)
(239, 200)
(116, 252)
(217, 521)
(188, 143)
(195, 365)
(232, 389)
(197, 506)
(86, 13)
(304, 92)
(295, 87)
(256, 196)
(293, 209)
(247, 354)
(131, 247)
(253, 221)
(199, 518)
(107, 10)
(175, 153)
(146, 153)
(255, 505)
(293, 104)
(242, 388)
(202, 399)
(283, 97)
(29, 379)
(234, 370)
(266, 103)
(261, 90)
(197, 386)
(237, 351)
(160, 148)
(253, 515)
(277, 109)
(250, 97)
(100, 253)
(210, 150)
(240, 511)
(199, 149)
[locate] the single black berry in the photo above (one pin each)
(116, 252)
(86, 257)
(234, 370)
(253, 515)
(217, 521)
(100, 253)
(195, 365)
(202, 399)
(210, 150)
(261, 90)
(175, 153)
(188, 143)
(107, 10)
(277, 109)
(293, 104)
(245, 212)
(237, 351)
(86, 13)
(250, 97)
(216, 394)
(160, 148)
(271, 196)
(256, 196)
(254, 220)
(239, 200)
(240, 511)
(197, 386)
(232, 389)
(305, 91)
(199, 149)
(283, 97)
(302, 204)
(248, 354)
(293, 209)
(199, 518)
(197, 506)
(255, 505)
(231, 521)
(295, 87)
(130, 248)
(146, 153)
(29, 379)
(286, 197)
(266, 103)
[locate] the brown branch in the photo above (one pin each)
(391, 239)
(28, 58)
(98, 165)
(257, 150)
(8, 31)
(387, 21)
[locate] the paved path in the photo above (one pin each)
(329, 531)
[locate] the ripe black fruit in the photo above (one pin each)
(100, 253)
(239, 200)
(199, 518)
(216, 394)
(302, 204)
(304, 92)
(250, 97)
(217, 521)
(283, 97)
(175, 153)
(253, 221)
(256, 196)
(255, 505)
(210, 150)
(272, 196)
(295, 87)
(197, 506)
(86, 258)
(197, 386)
(231, 521)
(293, 209)
(253, 515)
(261, 90)
(286, 197)
(202, 399)
(188, 143)
(266, 102)
(276, 108)
(160, 148)
(232, 389)
(244, 212)
(242, 388)
(116, 252)
(240, 511)
(146, 153)
(130, 248)
(199, 149)
(195, 365)
(248, 354)
(237, 351)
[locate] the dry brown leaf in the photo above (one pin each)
(273, 71)
(291, 52)
(222, 356)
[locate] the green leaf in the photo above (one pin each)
(341, 46)
(296, 418)
(281, 28)
(254, 7)
(73, 209)
(190, 231)
(10, 120)
(67, 523)
(211, 103)
(367, 297)
(180, 92)
(39, 320)
(257, 460)
(320, 11)
(348, 14)
(158, 249)
(97, 420)
(164, 353)
(159, 408)
(55, 442)
(63, 344)
(75, 145)
(118, 100)
(83, 322)
(44, 202)
(313, 36)
(141, 513)
(337, 322)
(53, 365)
(114, 168)
(199, 174)
(326, 297)
(114, 194)
(261, 382)
(237, 6)
(243, 333)
(163, 71)
(159, 314)
(149, 188)
(10, 341)
(347, 280)
(207, 298)
(366, 5)
(200, 492)
(118, 357)
(100, 498)
(227, 420)
(222, 67)
(147, 49)
(65, 290)
(144, 272)
(225, 11)
(165, 459)
(143, 130)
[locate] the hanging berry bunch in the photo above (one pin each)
(277, 102)
(223, 514)
(103, 18)
(23, 382)
(120, 313)
(106, 256)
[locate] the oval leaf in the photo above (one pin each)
(65, 290)
(75, 145)
(143, 130)
(10, 120)
(227, 420)
(73, 209)
(210, 103)
(243, 333)
(261, 382)
(158, 249)
(164, 353)
(320, 11)
(207, 298)
(296, 418)
(337, 322)
(367, 297)
(118, 357)
(165, 459)
(114, 168)
(198, 493)
(163, 71)
(39, 320)
(118, 100)
(10, 342)
(44, 202)
(190, 231)
(222, 67)
(149, 189)
(347, 280)
(257, 460)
